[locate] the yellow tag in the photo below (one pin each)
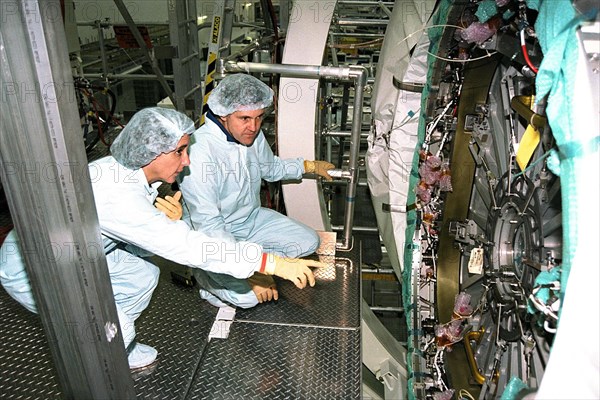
(529, 142)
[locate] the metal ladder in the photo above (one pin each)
(186, 58)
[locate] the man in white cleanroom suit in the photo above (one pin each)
(151, 149)
(221, 187)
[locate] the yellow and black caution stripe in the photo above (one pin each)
(213, 50)
(209, 83)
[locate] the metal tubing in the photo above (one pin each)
(344, 116)
(131, 70)
(205, 25)
(188, 21)
(359, 35)
(102, 49)
(388, 309)
(128, 72)
(292, 70)
(91, 63)
(342, 134)
(362, 22)
(137, 77)
(360, 80)
(333, 51)
(366, 3)
(522, 104)
(475, 371)
(376, 271)
(192, 91)
(355, 73)
(190, 57)
(329, 123)
(356, 228)
(107, 23)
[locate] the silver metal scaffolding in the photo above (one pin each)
(186, 62)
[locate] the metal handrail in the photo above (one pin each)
(353, 73)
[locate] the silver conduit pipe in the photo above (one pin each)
(342, 134)
(367, 229)
(137, 77)
(366, 3)
(102, 50)
(358, 35)
(361, 22)
(353, 73)
(360, 81)
(107, 23)
(291, 70)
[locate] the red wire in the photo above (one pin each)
(107, 112)
(94, 104)
(524, 49)
(527, 60)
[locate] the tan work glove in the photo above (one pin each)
(318, 167)
(293, 269)
(264, 287)
(170, 205)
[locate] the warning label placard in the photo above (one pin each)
(126, 39)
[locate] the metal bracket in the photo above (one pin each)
(390, 376)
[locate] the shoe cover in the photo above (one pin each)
(141, 356)
(212, 299)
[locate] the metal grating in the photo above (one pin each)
(261, 359)
(333, 302)
(177, 324)
(26, 368)
(265, 361)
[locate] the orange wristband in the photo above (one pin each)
(263, 263)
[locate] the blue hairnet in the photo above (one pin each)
(149, 133)
(240, 92)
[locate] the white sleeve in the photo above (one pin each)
(130, 218)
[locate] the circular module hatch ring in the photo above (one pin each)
(499, 228)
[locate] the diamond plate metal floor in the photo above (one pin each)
(333, 302)
(26, 369)
(265, 361)
(306, 345)
(176, 323)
